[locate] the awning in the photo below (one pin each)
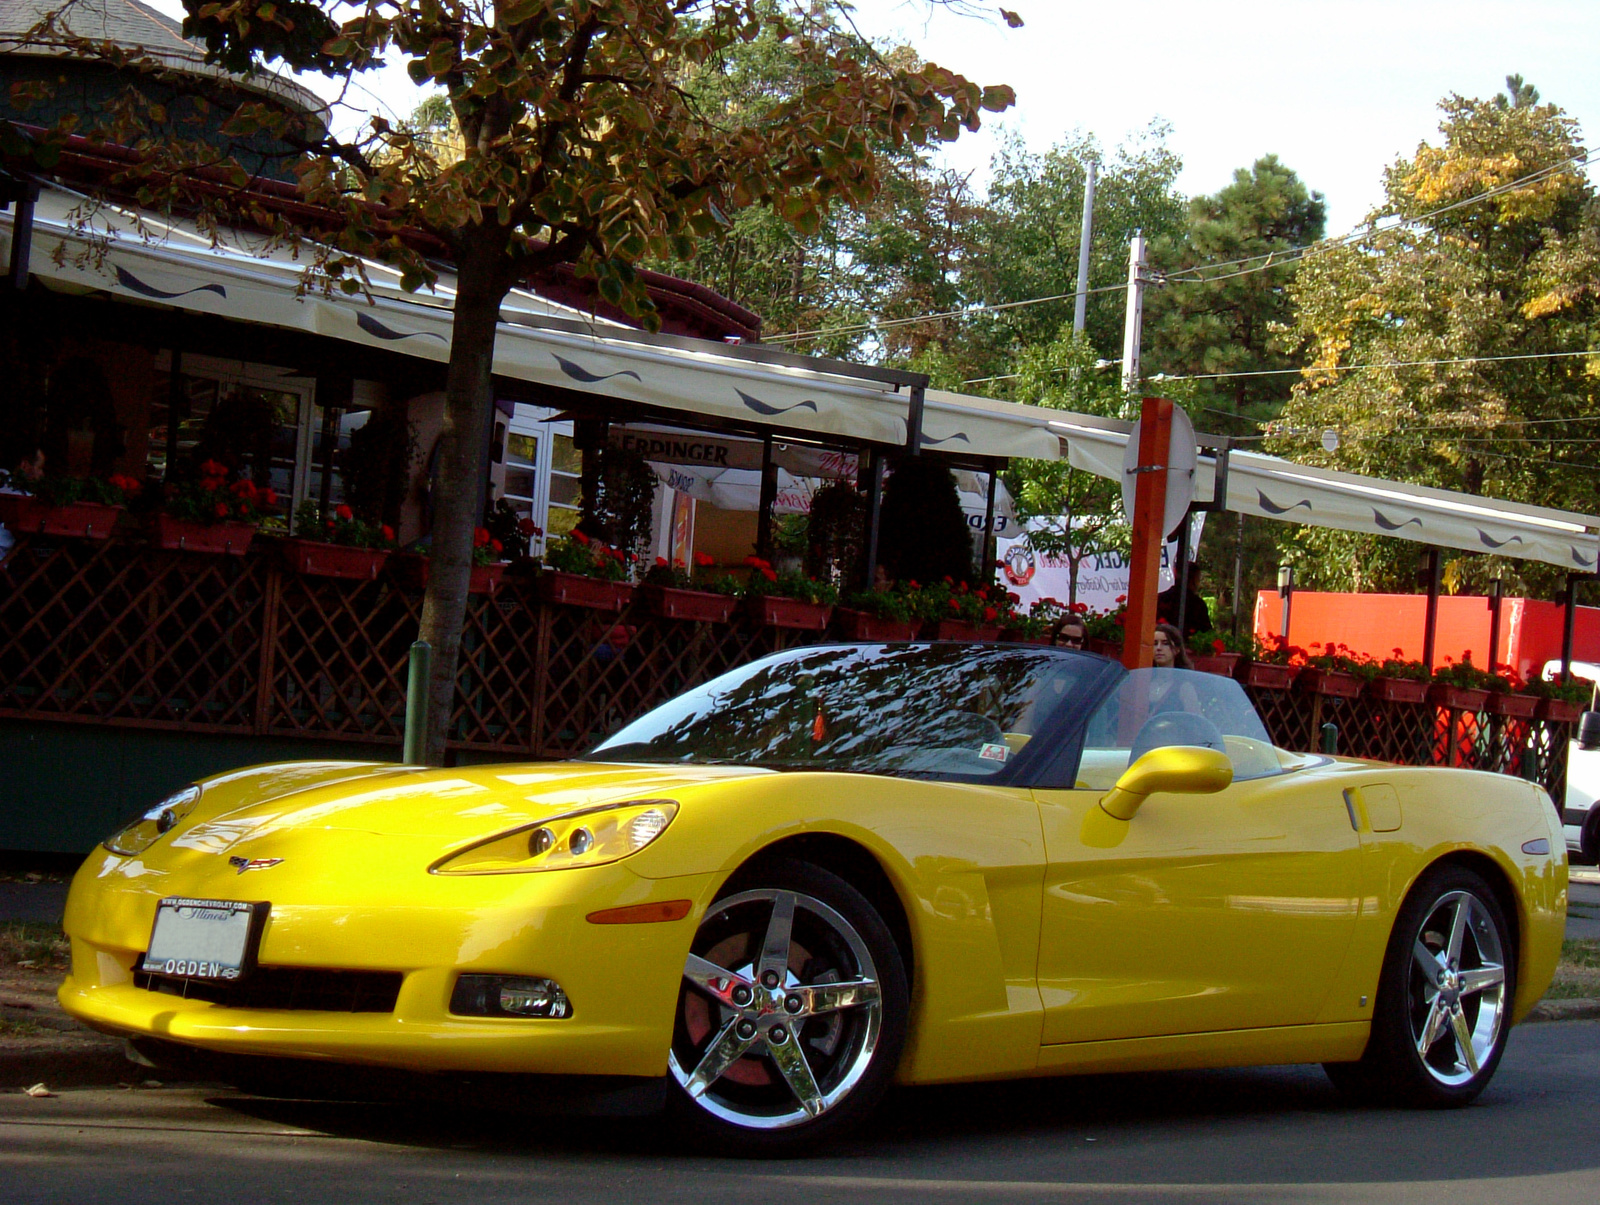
(1292, 493)
(182, 269)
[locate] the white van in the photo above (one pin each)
(1580, 812)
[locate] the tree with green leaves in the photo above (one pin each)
(1442, 342)
(579, 145)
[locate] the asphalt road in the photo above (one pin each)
(1270, 1135)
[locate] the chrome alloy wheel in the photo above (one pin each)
(1457, 988)
(781, 1011)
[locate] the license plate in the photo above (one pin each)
(204, 939)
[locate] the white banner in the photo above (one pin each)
(1102, 576)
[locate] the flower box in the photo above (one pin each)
(313, 558)
(1265, 675)
(674, 602)
(1397, 690)
(1512, 706)
(1457, 698)
(862, 625)
(957, 629)
(1020, 636)
(775, 611)
(185, 535)
(1226, 664)
(85, 520)
(581, 590)
(1560, 711)
(1106, 648)
(1330, 683)
(411, 571)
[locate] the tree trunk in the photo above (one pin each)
(482, 283)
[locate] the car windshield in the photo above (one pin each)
(931, 710)
(1154, 707)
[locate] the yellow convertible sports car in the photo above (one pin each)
(835, 868)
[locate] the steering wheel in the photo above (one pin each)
(1176, 728)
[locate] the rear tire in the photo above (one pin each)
(791, 1018)
(1443, 1011)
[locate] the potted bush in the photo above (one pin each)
(1398, 680)
(1220, 652)
(411, 569)
(1034, 627)
(877, 615)
(337, 544)
(1561, 702)
(1274, 666)
(673, 592)
(210, 513)
(582, 572)
(788, 600)
(1332, 672)
(82, 507)
(1462, 687)
(1103, 629)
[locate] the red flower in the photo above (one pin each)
(1122, 598)
(221, 510)
(386, 532)
(677, 562)
(704, 561)
(983, 591)
(989, 612)
(912, 585)
(767, 573)
(661, 562)
(580, 537)
(494, 544)
(948, 580)
(1218, 647)
(527, 527)
(480, 537)
(269, 496)
(211, 468)
(243, 488)
(756, 562)
(1079, 608)
(343, 513)
(954, 605)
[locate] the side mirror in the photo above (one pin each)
(1589, 730)
(1179, 769)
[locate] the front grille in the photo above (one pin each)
(301, 989)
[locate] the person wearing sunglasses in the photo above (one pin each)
(1069, 632)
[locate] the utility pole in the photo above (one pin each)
(1080, 305)
(1133, 324)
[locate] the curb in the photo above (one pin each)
(1564, 1010)
(80, 1067)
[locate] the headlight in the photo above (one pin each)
(139, 835)
(591, 837)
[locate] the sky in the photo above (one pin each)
(1338, 89)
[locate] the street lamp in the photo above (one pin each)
(1285, 592)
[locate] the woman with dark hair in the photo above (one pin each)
(1169, 652)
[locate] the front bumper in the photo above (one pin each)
(623, 979)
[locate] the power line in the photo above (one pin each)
(1291, 254)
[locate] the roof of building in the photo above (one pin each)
(130, 25)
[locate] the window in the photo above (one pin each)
(1151, 708)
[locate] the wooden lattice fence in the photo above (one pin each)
(117, 633)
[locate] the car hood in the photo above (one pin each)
(448, 806)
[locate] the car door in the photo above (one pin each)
(1204, 912)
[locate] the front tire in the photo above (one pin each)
(792, 1014)
(1443, 1011)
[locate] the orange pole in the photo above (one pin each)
(1149, 509)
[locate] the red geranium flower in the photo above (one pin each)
(1218, 647)
(480, 537)
(221, 510)
(954, 605)
(494, 544)
(661, 562)
(580, 537)
(343, 513)
(767, 573)
(269, 496)
(912, 585)
(989, 612)
(948, 580)
(386, 532)
(704, 561)
(527, 527)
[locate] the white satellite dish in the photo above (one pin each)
(1181, 459)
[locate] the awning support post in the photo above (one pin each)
(769, 495)
(987, 568)
(1180, 574)
(1149, 513)
(914, 421)
(874, 513)
(1568, 614)
(1430, 623)
(21, 249)
(1496, 591)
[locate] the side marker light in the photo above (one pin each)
(642, 914)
